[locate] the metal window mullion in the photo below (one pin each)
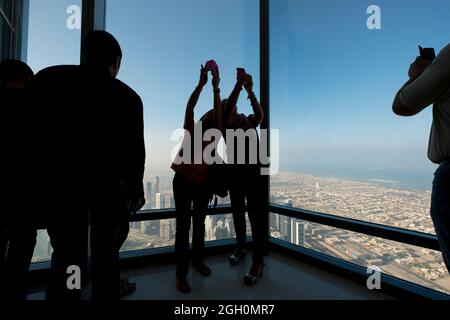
(265, 90)
(93, 18)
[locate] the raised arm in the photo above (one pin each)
(427, 85)
(218, 109)
(193, 100)
(233, 100)
(258, 112)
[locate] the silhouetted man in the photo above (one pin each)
(14, 75)
(89, 150)
(116, 161)
(56, 102)
(430, 84)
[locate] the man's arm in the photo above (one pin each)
(427, 84)
(398, 107)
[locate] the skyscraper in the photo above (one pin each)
(166, 230)
(156, 185)
(149, 195)
(159, 201)
(169, 201)
(286, 228)
(293, 225)
(274, 222)
(300, 233)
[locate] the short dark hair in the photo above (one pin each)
(101, 48)
(11, 70)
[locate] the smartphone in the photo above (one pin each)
(211, 65)
(428, 54)
(241, 71)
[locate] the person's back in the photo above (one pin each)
(116, 144)
(55, 161)
(56, 112)
(116, 160)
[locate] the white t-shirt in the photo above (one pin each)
(433, 87)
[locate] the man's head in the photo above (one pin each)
(14, 74)
(103, 50)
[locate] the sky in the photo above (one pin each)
(332, 79)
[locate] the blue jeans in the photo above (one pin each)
(440, 209)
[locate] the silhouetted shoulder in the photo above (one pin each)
(58, 72)
(126, 92)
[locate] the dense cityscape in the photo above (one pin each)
(369, 201)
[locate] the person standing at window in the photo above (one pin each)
(190, 185)
(246, 182)
(429, 84)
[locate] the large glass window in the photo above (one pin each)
(334, 76)
(4, 38)
(54, 33)
(164, 43)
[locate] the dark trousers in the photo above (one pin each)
(188, 195)
(18, 239)
(21, 242)
(247, 185)
(68, 234)
(3, 248)
(109, 220)
(440, 209)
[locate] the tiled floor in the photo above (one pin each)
(284, 279)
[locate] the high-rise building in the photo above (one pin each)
(293, 225)
(148, 195)
(169, 201)
(300, 233)
(209, 228)
(166, 230)
(159, 201)
(153, 228)
(144, 227)
(286, 228)
(274, 222)
(156, 185)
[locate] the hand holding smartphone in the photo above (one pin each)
(211, 66)
(242, 74)
(428, 54)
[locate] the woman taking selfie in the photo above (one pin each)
(245, 174)
(190, 184)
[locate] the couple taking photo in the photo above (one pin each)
(195, 184)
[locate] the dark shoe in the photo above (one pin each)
(238, 256)
(126, 287)
(255, 274)
(183, 286)
(201, 267)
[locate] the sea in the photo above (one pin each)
(408, 179)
